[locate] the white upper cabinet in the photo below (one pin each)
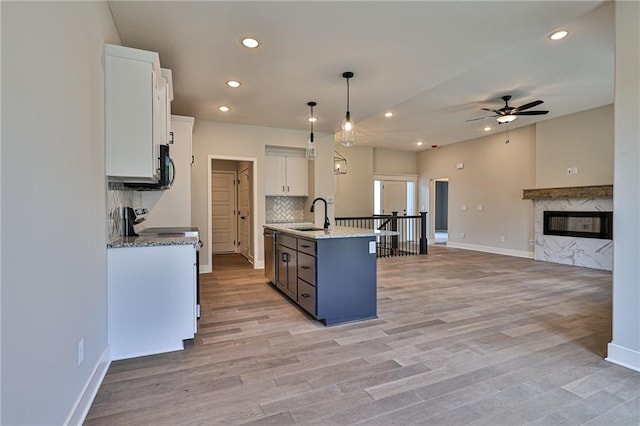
(137, 108)
(286, 176)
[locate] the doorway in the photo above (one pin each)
(396, 196)
(441, 211)
(231, 212)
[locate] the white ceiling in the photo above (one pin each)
(434, 64)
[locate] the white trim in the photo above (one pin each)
(183, 118)
(83, 403)
(404, 177)
(494, 250)
(624, 357)
(259, 265)
(207, 267)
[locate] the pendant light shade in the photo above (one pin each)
(348, 130)
(310, 152)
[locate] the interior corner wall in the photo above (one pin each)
(485, 196)
(624, 349)
(229, 141)
(391, 161)
(354, 190)
(583, 140)
(54, 274)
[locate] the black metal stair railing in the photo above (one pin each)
(411, 238)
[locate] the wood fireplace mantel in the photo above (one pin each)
(596, 191)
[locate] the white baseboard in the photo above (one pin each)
(83, 403)
(494, 250)
(205, 269)
(259, 264)
(624, 357)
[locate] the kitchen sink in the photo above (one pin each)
(307, 229)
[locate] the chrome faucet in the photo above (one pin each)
(326, 218)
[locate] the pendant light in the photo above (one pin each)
(310, 153)
(348, 131)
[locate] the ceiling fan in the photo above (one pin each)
(507, 113)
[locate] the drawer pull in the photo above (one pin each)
(305, 267)
(305, 295)
(305, 245)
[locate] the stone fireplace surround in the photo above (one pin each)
(587, 252)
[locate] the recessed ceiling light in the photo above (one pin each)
(419, 143)
(224, 108)
(486, 129)
(388, 114)
(250, 42)
(233, 83)
(558, 35)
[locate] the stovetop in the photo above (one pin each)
(170, 232)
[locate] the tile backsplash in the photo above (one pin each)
(285, 209)
(118, 196)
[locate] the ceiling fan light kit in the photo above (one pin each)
(348, 131)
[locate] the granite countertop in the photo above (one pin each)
(149, 241)
(332, 232)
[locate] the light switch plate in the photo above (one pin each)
(372, 247)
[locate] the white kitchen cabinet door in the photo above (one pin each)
(275, 175)
(134, 113)
(297, 176)
(287, 176)
(151, 299)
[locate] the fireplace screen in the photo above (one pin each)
(579, 224)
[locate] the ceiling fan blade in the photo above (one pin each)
(496, 111)
(480, 118)
(530, 113)
(529, 105)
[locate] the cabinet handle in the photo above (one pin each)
(305, 295)
(305, 246)
(285, 257)
(305, 267)
(288, 188)
(282, 188)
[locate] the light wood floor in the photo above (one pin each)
(462, 338)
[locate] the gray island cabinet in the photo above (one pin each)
(330, 274)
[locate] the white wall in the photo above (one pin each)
(354, 190)
(583, 140)
(233, 141)
(390, 161)
(494, 175)
(53, 206)
(624, 349)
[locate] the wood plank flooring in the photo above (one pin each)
(462, 338)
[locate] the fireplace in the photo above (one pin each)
(582, 224)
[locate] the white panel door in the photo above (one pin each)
(223, 212)
(394, 197)
(244, 214)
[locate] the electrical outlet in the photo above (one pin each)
(329, 200)
(463, 207)
(80, 351)
(462, 235)
(503, 239)
(479, 207)
(574, 170)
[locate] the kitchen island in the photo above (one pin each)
(331, 274)
(151, 294)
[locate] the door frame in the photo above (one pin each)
(432, 206)
(254, 225)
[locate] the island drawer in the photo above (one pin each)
(307, 246)
(307, 268)
(287, 241)
(307, 297)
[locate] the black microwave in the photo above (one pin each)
(167, 174)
